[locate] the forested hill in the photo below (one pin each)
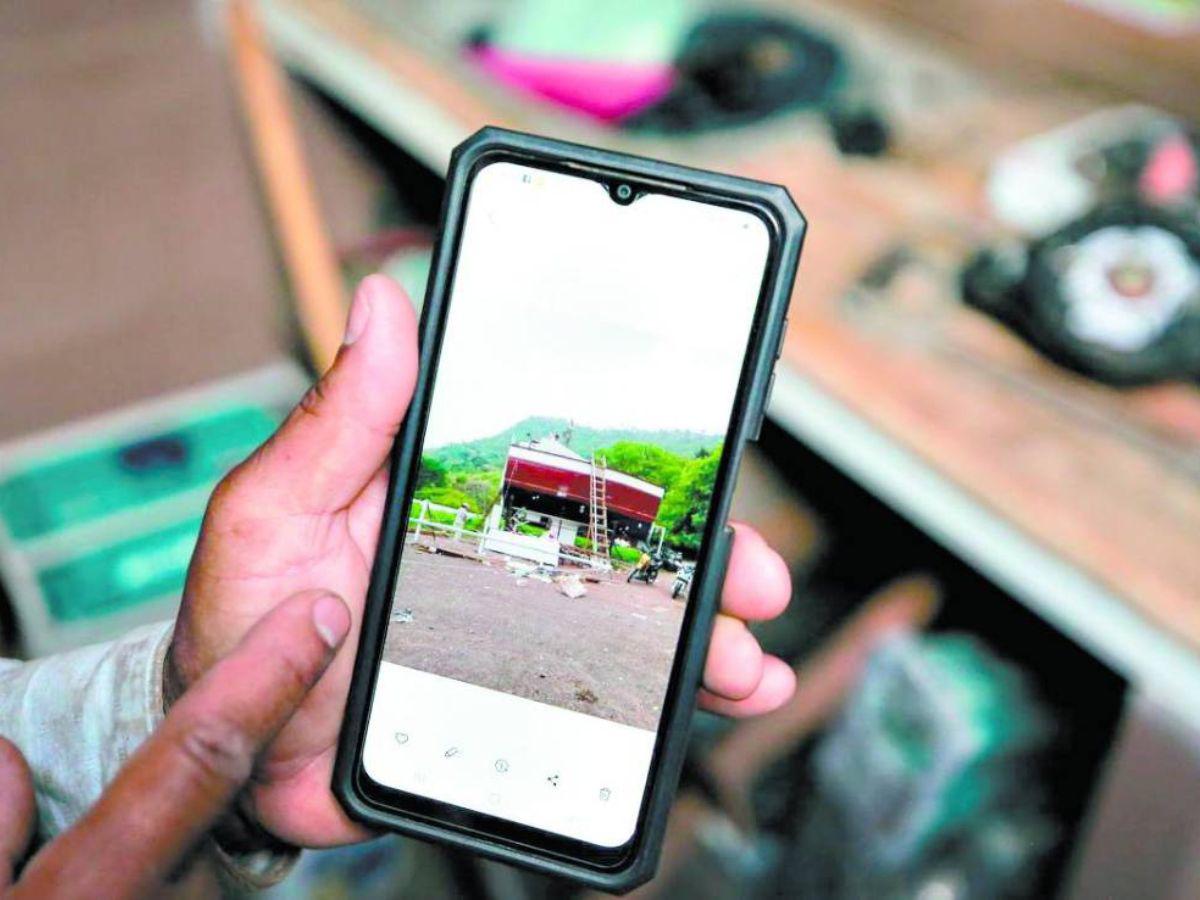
(489, 452)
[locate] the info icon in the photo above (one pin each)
(502, 766)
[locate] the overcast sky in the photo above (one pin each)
(567, 304)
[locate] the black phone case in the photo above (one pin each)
(775, 206)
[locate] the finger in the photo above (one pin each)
(17, 811)
(774, 689)
(305, 797)
(757, 583)
(366, 513)
(734, 666)
(183, 778)
(341, 432)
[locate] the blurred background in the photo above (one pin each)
(983, 454)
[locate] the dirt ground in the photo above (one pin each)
(607, 654)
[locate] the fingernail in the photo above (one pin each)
(360, 314)
(331, 619)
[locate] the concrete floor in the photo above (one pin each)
(607, 654)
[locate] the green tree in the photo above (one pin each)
(482, 487)
(684, 510)
(446, 496)
(688, 484)
(431, 474)
(646, 461)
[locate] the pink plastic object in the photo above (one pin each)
(606, 91)
(1171, 174)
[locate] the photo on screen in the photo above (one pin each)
(574, 439)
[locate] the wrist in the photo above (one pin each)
(247, 855)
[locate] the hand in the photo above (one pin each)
(182, 779)
(304, 512)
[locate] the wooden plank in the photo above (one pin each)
(1044, 40)
(304, 242)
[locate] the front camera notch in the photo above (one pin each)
(622, 192)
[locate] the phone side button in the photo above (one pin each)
(783, 330)
(756, 431)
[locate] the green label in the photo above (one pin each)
(84, 486)
(121, 575)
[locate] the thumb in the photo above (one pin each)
(184, 777)
(17, 812)
(341, 432)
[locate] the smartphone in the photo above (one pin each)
(597, 345)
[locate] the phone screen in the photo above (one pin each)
(592, 354)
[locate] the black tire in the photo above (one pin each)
(1175, 353)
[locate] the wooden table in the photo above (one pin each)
(1081, 501)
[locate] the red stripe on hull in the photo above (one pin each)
(622, 498)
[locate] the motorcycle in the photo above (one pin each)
(683, 581)
(646, 570)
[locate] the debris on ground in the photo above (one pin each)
(457, 554)
(586, 695)
(402, 616)
(526, 570)
(447, 550)
(571, 586)
(519, 570)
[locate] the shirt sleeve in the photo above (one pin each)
(78, 717)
